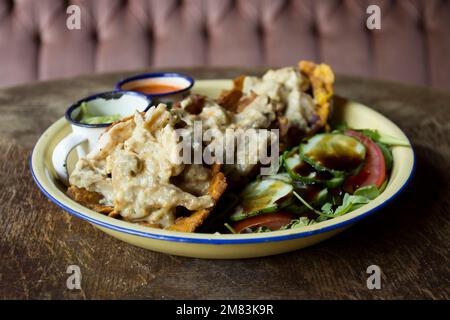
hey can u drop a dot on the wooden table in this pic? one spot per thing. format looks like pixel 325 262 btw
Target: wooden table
pixel 409 239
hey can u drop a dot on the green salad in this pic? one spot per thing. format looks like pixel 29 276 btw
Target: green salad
pixel 326 176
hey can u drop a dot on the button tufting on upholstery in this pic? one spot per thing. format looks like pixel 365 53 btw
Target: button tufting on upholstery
pixel 94 36
pixel 10 5
pixel 205 32
pixel 413 44
pixel 6 7
pixel 314 29
pixel 37 38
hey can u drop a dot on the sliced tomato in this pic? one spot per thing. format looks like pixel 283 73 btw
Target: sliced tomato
pixel 273 221
pixel 373 171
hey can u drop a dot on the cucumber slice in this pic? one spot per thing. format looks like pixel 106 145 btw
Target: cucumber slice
pixel 263 196
pixel 334 152
pixel 321 198
pixel 285 177
pixel 302 171
pixel 293 164
pixel 334 182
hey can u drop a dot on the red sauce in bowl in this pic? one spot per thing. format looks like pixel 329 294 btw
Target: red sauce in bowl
pixel 156 88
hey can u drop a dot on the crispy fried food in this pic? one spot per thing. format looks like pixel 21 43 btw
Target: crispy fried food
pixel 158 119
pixel 238 83
pixel 90 200
pixel 190 223
pixel 120 121
pixel 319 76
pixel 230 99
pixel 215 168
pixel 217 187
pixel 195 105
pixel 235 101
pixel 322 78
pixel 245 101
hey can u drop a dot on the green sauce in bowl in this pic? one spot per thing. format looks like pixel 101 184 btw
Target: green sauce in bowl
pixel 87 118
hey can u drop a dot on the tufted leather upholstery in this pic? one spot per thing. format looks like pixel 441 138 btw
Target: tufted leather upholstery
pixel 413 44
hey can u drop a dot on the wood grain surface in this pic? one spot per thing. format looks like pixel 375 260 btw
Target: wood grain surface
pixel 409 239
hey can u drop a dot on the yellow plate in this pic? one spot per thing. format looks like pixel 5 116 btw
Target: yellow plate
pixel 225 246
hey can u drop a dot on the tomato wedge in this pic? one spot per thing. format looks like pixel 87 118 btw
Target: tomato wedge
pixel 374 170
pixel 273 221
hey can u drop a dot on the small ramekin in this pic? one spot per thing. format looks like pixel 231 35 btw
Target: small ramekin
pixel 183 81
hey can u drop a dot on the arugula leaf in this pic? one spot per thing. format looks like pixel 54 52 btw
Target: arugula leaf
pixel 322 218
pixel 297 223
pixel 327 208
pixel 360 197
pixel 349 203
pixel 306 203
pixel 387 155
pixel 370 192
pixel 327 211
pixel 386 139
pixel 372 134
pixel 392 141
pixel 281 161
pixel 339 126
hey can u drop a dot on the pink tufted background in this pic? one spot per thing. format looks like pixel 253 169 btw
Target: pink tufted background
pixel 413 44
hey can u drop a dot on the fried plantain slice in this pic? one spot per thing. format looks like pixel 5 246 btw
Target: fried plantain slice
pixel 90 200
pixel 190 223
pixel 321 78
pixel 215 168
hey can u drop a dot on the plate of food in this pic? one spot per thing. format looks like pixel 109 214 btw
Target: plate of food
pixel 223 168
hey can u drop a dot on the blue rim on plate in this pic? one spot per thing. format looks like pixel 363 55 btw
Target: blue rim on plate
pixel 158 75
pixel 224 241
pixel 106 95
